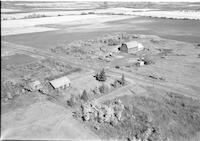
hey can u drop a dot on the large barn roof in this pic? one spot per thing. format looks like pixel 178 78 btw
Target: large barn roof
pixel 132 44
pixel 56 83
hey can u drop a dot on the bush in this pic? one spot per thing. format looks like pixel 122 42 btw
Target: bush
pixel 101 76
pixel 84 96
pixel 123 80
pixel 83 13
pixel 115 84
pixel 72 101
pixel 103 89
pixel 117 67
pixel 91 13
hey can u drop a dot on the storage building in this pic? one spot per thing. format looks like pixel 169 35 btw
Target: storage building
pixel 60 83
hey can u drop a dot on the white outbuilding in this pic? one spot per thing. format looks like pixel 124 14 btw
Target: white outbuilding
pixel 140 47
pixel 35 85
pixel 60 83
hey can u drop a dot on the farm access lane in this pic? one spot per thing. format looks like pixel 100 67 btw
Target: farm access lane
pixel 136 81
pixel 142 80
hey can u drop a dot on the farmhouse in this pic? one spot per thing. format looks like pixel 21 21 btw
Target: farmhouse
pixel 130 47
pixel 60 83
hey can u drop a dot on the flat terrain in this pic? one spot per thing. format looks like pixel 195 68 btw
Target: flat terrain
pixel 43 120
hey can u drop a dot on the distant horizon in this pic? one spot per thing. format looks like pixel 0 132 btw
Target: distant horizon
pixel 108 0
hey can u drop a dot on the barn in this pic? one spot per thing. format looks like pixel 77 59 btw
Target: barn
pixel 130 47
pixel 60 83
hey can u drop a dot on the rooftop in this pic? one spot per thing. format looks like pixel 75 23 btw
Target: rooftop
pixel 132 44
pixel 56 83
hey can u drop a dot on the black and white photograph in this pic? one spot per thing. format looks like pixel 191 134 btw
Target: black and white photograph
pixel 100 70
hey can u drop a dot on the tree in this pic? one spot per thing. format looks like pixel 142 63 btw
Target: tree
pixel 72 101
pixel 102 75
pixel 97 76
pixel 123 80
pixel 84 96
pixel 102 89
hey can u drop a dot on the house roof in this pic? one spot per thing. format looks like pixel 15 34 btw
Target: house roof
pixel 56 83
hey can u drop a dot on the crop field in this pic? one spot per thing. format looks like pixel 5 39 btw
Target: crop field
pixel 17 59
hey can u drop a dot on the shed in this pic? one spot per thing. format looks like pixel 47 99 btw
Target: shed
pixel 131 46
pixel 35 85
pixel 141 63
pixel 140 47
pixel 61 82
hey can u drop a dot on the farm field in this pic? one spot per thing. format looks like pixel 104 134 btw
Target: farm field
pixel 175 30
pixel 100 71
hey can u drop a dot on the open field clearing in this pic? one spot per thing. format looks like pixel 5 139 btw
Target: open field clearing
pixel 72 5
pixel 17 59
pixel 24 30
pixel 166 28
pixel 28 25
pixel 194 15
pixel 43 120
pixel 8 10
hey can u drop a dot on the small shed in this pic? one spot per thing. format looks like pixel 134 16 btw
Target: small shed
pixel 141 63
pixel 60 83
pixel 140 47
pixel 35 85
pixel 131 46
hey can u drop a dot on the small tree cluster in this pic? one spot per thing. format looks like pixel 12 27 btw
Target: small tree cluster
pixel 77 99
pixel 121 82
pixel 73 101
pixel 115 84
pixel 101 76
